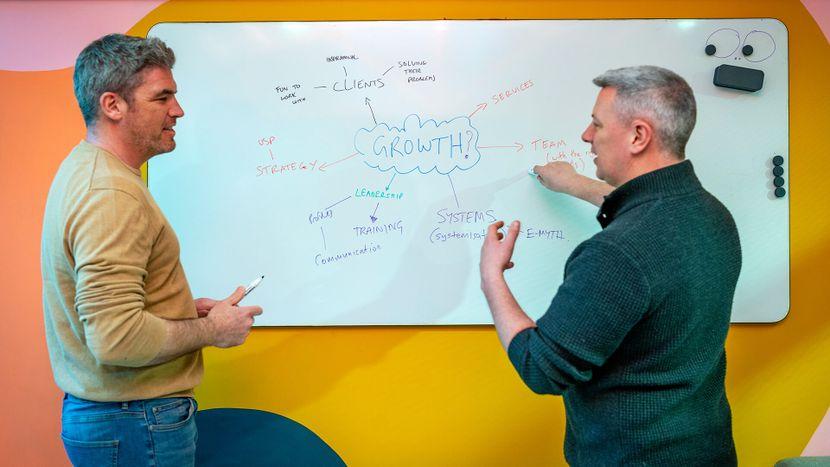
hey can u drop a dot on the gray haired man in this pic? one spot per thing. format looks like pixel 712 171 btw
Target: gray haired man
pixel 123 330
pixel 634 337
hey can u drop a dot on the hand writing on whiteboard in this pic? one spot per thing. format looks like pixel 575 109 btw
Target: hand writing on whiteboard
pixel 558 176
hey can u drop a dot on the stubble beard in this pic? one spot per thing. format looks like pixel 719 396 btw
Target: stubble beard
pixel 150 145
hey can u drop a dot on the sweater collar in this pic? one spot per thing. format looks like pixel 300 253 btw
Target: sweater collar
pixel 92 148
pixel 676 179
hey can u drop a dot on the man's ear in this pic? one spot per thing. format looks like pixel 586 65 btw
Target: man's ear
pixel 642 136
pixel 112 106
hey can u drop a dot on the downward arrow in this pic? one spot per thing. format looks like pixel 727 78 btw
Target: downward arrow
pixel 373 214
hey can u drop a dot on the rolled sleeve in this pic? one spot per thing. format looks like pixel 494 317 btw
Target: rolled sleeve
pixel 110 239
pixel 603 295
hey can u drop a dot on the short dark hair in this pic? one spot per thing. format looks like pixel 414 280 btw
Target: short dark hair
pixel 113 63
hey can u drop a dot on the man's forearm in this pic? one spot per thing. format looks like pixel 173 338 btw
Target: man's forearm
pixel 508 316
pixel 592 191
pixel 184 336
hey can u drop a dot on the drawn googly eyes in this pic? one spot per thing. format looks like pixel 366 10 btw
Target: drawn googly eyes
pixel 758 46
pixel 722 43
pixel 755 47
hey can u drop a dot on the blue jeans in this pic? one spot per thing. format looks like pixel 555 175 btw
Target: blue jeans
pixel 153 432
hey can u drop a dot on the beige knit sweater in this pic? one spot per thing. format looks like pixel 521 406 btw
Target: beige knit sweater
pixel 111 275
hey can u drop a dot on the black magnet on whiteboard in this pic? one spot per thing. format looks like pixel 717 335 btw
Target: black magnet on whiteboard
pixel 736 77
pixel 747 50
pixel 710 49
pixel 778 176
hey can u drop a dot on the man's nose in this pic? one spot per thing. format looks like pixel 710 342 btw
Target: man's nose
pixel 586 135
pixel 176 110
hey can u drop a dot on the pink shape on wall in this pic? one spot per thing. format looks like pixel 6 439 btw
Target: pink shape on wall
pixel 819 444
pixel 49 34
pixel 820 10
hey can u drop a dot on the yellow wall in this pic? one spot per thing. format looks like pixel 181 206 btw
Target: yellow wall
pixel 421 395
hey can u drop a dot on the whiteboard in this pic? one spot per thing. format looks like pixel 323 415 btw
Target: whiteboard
pixel 357 164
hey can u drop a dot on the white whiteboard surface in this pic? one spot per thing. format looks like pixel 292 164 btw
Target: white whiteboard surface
pixel 287 157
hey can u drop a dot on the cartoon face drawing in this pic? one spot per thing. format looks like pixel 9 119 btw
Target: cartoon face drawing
pixel 755 46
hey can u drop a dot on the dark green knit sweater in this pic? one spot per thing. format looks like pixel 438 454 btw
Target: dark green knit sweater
pixel 634 338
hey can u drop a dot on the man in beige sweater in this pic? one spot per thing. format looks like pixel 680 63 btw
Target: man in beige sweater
pixel 123 330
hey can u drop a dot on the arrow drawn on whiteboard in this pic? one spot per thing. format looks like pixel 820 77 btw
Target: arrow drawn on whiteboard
pixel 519 146
pixel 324 238
pixel 390 181
pixel 453 191
pixel 373 214
pixel 481 106
pixel 335 204
pixel 326 165
pixel 387 71
pixel 369 103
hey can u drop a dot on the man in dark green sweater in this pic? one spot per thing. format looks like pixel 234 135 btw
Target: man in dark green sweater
pixel 634 338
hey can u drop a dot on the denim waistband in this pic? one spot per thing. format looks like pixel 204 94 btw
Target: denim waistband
pixel 137 405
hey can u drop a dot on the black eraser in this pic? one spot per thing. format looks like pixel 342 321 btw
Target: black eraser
pixel 736 77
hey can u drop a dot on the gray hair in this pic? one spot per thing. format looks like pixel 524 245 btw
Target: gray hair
pixel 113 63
pixel 658 94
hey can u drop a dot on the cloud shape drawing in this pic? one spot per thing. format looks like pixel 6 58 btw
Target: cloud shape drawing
pixel 420 145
